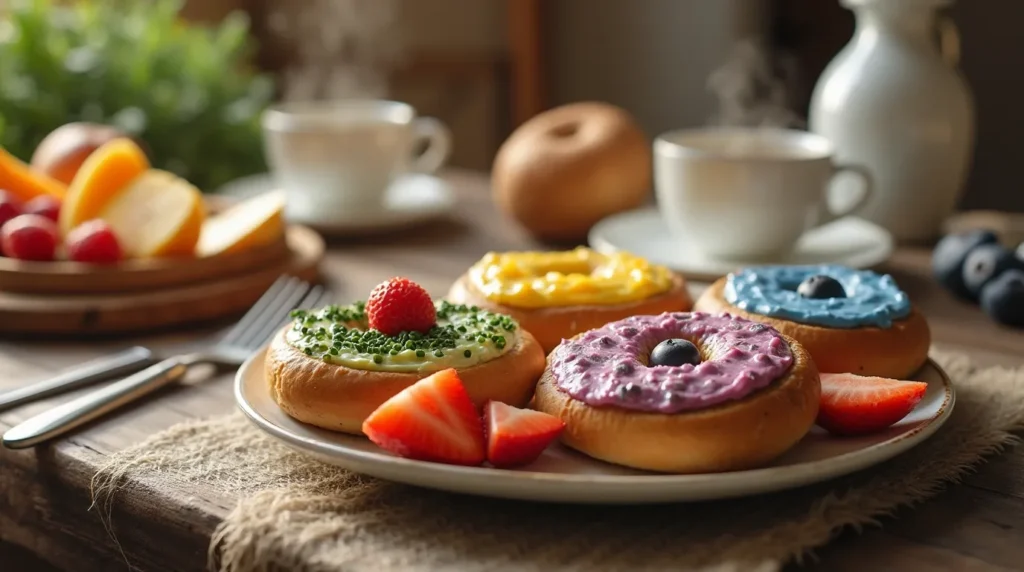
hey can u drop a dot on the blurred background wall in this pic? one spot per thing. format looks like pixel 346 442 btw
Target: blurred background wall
pixel 464 61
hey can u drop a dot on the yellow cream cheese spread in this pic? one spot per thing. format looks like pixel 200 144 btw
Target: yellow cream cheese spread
pixel 531 279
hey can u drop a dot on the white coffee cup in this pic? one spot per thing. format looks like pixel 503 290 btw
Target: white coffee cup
pixel 336 159
pixel 748 193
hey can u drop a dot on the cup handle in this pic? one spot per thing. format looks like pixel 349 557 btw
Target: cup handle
pixel 439 144
pixel 867 189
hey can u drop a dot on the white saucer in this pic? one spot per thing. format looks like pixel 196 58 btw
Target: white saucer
pixel 848 241
pixel 412 199
pixel 563 475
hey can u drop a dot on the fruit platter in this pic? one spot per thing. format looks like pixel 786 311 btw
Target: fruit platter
pixel 88 222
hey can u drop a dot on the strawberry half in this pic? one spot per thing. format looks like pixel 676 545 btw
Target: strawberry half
pixel 516 436
pixel 432 420
pixel 857 405
pixel 400 305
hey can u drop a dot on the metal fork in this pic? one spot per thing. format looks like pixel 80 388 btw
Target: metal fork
pixel 268 315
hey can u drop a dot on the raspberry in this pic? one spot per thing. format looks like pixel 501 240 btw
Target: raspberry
pixel 400 305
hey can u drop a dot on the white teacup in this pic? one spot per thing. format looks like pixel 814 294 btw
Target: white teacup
pixel 748 193
pixel 336 159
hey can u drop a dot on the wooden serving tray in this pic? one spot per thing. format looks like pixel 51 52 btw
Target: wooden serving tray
pixel 149 309
pixel 63 277
pixel 142 275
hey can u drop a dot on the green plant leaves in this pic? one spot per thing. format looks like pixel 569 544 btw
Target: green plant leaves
pixel 187 90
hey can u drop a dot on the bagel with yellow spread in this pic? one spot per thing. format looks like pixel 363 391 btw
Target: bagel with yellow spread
pixel 332 367
pixel 557 295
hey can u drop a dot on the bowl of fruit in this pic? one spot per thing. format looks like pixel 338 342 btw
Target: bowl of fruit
pixel 976 267
pixel 93 240
pixel 90 215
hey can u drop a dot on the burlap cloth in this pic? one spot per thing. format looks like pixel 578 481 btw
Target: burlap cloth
pixel 294 513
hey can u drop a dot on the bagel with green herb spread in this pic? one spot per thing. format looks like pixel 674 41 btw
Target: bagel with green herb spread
pixel 332 367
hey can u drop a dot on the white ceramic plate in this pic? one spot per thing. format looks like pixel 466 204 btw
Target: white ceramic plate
pixel 563 475
pixel 412 199
pixel 848 241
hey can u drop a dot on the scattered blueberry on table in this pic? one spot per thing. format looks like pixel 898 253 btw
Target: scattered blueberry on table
pixel 974 266
pixel 985 263
pixel 949 256
pixel 1003 298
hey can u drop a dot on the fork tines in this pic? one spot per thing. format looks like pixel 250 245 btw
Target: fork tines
pixel 272 311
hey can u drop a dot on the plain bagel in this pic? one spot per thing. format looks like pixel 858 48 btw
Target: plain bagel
pixel 339 398
pixel 553 324
pixel 896 352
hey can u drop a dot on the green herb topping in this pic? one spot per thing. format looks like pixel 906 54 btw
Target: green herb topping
pixel 341 334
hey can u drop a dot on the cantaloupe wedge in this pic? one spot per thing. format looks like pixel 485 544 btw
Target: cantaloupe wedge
pixel 106 172
pixel 157 215
pixel 249 224
pixel 24 182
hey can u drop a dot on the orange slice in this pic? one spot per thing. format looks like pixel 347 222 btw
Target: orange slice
pixel 252 223
pixel 106 172
pixel 158 215
pixel 24 182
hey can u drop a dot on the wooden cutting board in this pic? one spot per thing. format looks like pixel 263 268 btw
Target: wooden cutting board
pixel 140 311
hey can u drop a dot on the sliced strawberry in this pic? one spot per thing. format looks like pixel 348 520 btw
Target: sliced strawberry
pixel 432 420
pixel 517 436
pixel 856 405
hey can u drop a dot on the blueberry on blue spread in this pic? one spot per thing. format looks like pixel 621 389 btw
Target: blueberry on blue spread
pixel 821 287
pixel 675 352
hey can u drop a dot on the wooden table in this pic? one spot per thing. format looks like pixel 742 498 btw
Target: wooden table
pixel 44 493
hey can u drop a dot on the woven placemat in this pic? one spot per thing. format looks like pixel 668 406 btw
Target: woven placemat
pixel 296 514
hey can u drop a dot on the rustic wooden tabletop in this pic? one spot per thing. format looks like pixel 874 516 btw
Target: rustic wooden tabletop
pixel 44 493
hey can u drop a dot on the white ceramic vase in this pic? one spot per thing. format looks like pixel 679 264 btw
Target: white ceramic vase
pixel 894 101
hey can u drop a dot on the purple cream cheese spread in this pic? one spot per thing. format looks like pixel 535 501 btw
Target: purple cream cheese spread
pixel 608 366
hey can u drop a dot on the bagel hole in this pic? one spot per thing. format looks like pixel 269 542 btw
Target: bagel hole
pixel 565 130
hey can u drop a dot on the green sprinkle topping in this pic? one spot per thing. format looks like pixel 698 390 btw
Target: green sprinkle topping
pixel 344 331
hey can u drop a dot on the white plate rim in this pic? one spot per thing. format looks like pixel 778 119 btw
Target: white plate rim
pixel 566 488
pixel 712 268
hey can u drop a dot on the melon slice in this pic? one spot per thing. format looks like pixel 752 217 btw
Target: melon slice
pixel 106 172
pixel 24 182
pixel 157 215
pixel 252 223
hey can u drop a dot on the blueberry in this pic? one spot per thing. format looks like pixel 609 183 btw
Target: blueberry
pixel 1003 298
pixel 949 254
pixel 675 352
pixel 986 262
pixel 821 287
